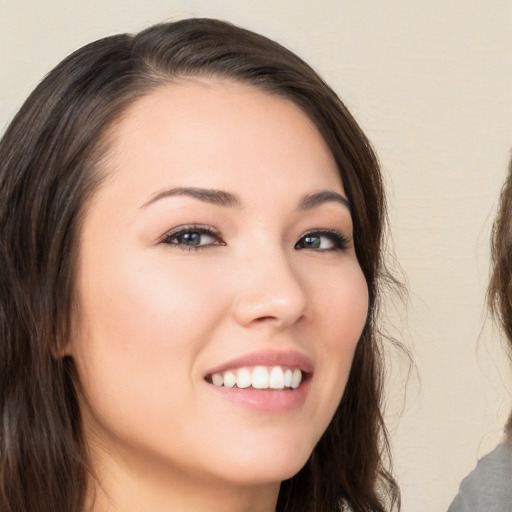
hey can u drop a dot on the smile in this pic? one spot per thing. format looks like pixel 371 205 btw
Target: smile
pixel 266 381
pixel 259 377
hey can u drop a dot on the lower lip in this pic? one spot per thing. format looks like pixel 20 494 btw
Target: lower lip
pixel 266 401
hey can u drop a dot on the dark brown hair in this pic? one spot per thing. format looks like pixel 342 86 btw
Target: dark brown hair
pixel 499 292
pixel 50 163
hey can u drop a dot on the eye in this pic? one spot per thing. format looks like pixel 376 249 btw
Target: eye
pixel 193 237
pixel 322 240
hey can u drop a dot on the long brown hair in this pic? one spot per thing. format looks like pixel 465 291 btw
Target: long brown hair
pixel 50 164
pixel 499 292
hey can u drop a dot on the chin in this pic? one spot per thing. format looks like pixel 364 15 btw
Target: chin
pixel 264 466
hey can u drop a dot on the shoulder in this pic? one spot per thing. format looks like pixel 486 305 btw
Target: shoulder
pixel 488 488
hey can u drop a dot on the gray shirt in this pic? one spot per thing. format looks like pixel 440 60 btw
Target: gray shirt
pixel 488 488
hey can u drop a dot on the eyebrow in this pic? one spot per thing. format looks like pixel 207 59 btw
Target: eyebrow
pixel 326 196
pixel 222 198
pixel 217 197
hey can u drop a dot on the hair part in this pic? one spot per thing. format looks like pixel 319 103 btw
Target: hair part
pixel 51 163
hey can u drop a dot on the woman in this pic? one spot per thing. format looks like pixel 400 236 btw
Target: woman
pixel 487 488
pixel 192 231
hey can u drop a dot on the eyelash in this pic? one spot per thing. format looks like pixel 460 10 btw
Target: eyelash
pixel 338 241
pixel 192 229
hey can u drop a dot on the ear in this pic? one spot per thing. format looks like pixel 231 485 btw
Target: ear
pixel 61 350
pixel 64 345
pixel 65 351
pixel 66 338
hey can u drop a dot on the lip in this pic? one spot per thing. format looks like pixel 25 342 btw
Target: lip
pixel 266 401
pixel 287 358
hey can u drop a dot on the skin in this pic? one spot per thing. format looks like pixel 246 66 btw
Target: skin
pixel 155 315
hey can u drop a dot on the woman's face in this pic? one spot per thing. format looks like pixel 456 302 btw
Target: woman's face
pixel 218 249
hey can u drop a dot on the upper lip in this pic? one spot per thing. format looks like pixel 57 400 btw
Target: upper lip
pixel 289 358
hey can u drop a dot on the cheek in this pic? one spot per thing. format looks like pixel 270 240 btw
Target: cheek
pixel 147 303
pixel 140 332
pixel 342 309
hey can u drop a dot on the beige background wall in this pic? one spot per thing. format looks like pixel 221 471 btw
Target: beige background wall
pixel 431 83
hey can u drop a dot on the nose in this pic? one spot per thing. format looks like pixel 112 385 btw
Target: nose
pixel 269 290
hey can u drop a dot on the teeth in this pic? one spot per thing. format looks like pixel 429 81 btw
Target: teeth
pixel 287 378
pixel 243 379
pixel 277 378
pixel 218 379
pixel 229 379
pixel 259 378
pixel 296 378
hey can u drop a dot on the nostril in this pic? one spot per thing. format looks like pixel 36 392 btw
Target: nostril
pixel 265 319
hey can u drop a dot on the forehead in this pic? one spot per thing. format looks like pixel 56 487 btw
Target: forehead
pixel 215 130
